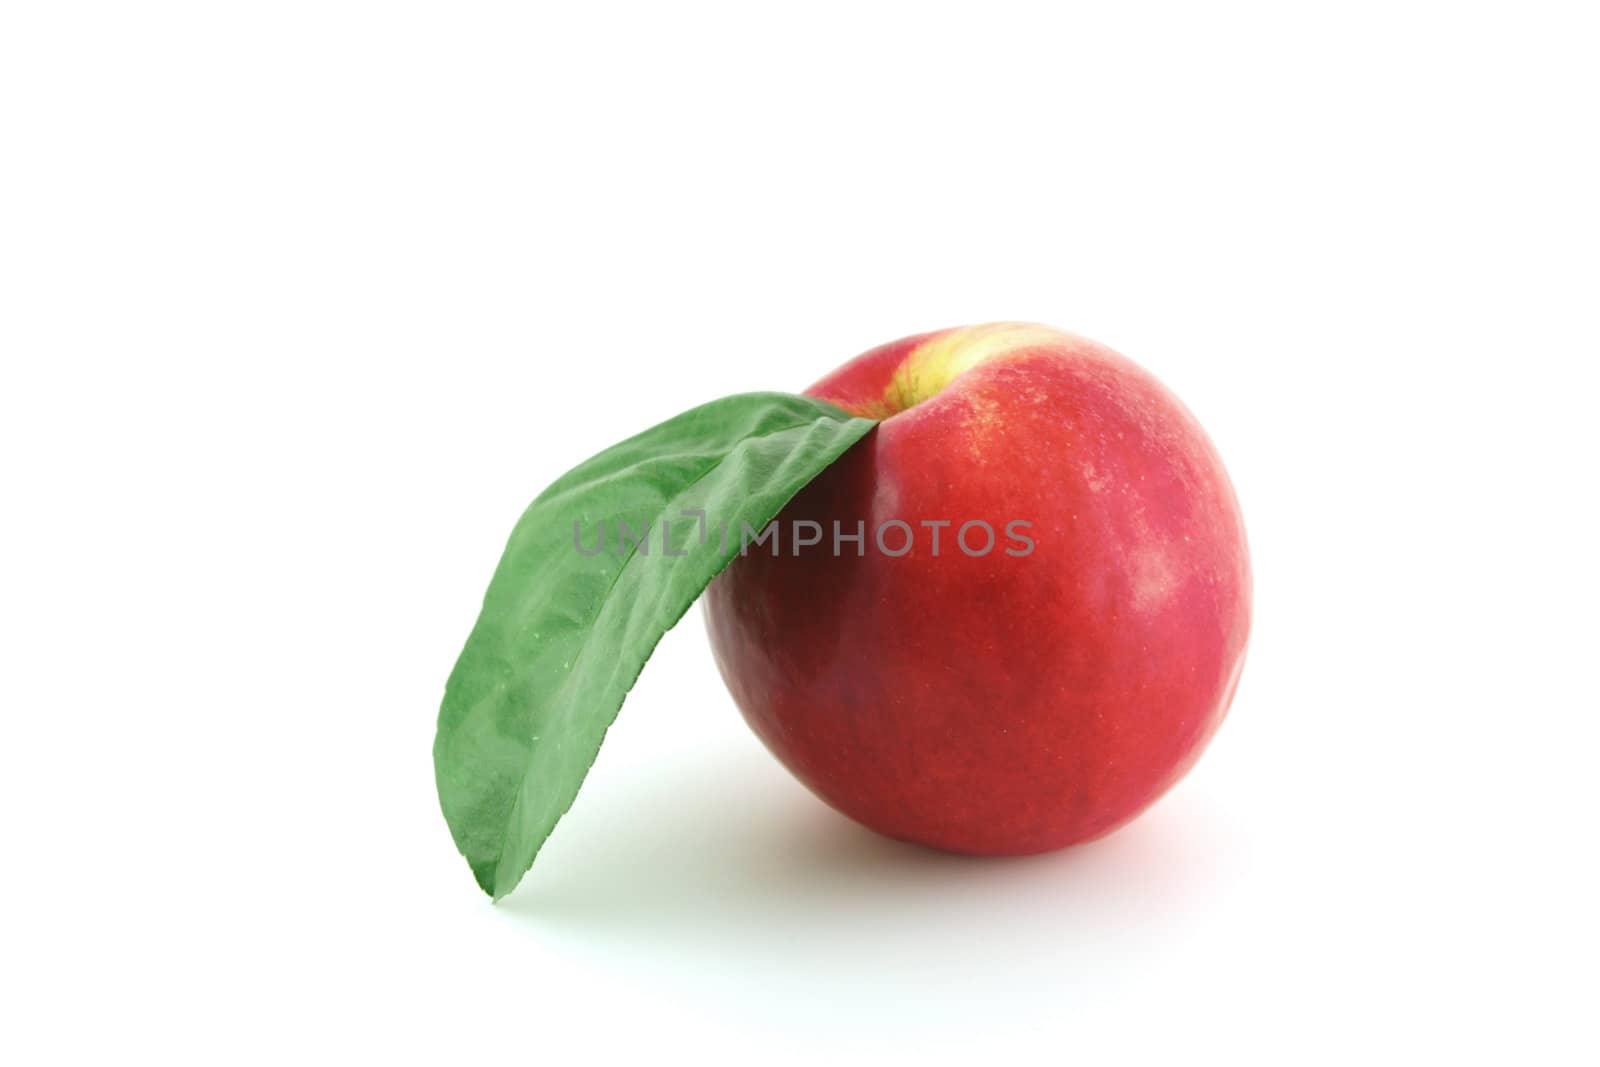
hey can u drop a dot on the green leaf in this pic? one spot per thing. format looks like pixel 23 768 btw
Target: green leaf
pixel 563 635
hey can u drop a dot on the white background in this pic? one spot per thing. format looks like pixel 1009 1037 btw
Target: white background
pixel 301 303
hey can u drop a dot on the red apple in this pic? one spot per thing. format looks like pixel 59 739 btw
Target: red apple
pixel 1011 701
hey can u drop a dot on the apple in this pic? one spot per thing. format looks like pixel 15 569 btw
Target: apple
pixel 1020 699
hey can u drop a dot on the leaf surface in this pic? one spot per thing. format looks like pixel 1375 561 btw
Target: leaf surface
pixel 567 624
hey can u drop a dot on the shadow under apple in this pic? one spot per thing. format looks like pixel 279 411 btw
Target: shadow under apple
pixel 720 869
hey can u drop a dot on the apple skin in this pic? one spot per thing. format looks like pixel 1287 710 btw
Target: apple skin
pixel 998 705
